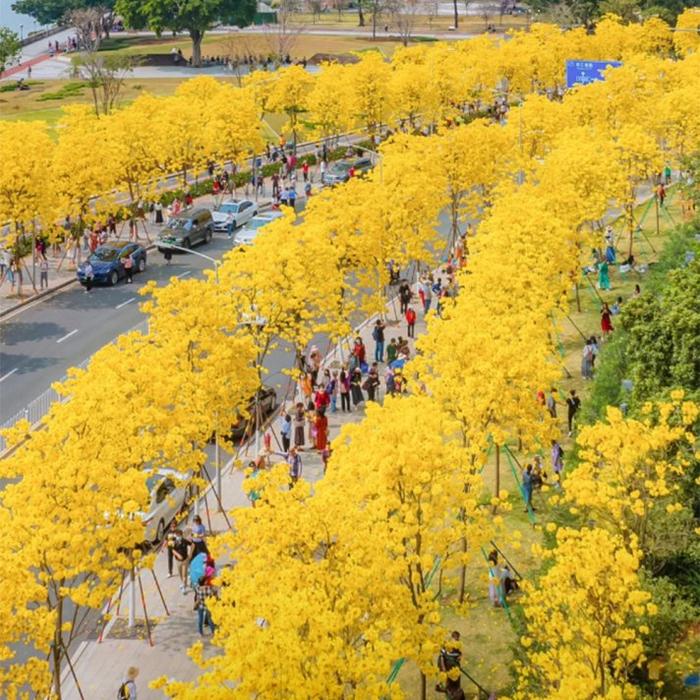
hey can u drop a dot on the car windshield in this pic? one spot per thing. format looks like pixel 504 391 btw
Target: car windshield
pixel 340 167
pixel 180 223
pixel 152 481
pixel 256 223
pixel 104 255
pixel 229 208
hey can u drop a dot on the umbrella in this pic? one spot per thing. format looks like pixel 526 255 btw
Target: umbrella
pixel 398 363
pixel 197 568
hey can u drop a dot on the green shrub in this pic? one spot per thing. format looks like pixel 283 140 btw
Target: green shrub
pixel 67 90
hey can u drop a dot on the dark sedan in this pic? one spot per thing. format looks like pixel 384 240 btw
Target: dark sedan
pixel 108 262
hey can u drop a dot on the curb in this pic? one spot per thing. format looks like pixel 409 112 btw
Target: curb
pixel 36 297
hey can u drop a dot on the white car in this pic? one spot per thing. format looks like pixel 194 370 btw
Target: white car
pixel 238 211
pixel 247 234
pixel 170 492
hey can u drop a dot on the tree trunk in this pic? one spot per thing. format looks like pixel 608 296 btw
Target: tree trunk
pixel 498 473
pixel 196 35
pixel 56 650
pixel 374 23
pixel 456 13
pixel 360 16
pixel 423 687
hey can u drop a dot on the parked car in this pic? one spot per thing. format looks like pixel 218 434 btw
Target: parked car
pixel 340 170
pixel 247 234
pixel 239 211
pixel 267 403
pixel 108 262
pixel 187 228
pixel 170 492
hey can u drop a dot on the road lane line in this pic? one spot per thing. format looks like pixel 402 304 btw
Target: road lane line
pixel 10 373
pixel 124 303
pixel 68 335
pixel 184 274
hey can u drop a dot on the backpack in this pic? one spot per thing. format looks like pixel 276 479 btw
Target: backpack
pixel 124 692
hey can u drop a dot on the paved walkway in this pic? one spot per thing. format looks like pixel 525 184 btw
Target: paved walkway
pixel 101 666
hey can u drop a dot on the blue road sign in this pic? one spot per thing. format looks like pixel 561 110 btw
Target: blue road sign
pixel 584 72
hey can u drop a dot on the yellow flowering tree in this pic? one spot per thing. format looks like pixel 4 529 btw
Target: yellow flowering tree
pixel 582 639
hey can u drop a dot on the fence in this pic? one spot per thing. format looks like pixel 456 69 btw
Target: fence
pixel 35 410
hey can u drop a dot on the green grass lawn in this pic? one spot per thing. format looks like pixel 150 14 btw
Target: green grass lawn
pixel 240 44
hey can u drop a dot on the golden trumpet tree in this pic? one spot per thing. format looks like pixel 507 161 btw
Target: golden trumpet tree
pixel 582 639
pixel 289 94
pixel 25 179
pixel 371 545
pixel 685 39
pixel 371 91
pixel 290 299
pixel 84 165
pixel 330 101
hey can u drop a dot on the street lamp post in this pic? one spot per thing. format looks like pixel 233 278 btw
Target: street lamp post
pixel 21 32
pixel 217 451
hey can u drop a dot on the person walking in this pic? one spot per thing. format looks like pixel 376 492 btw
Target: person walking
pixel 378 337
pixel 359 353
pixel 127 690
pixel 321 425
pixel 587 360
pixel 410 322
pixel 299 425
pixel 356 387
pixel 603 276
pixel 332 391
pixel 44 274
pixel 405 295
pixel 557 456
pixel 391 351
pixel 344 389
pixel 295 466
pixel 573 403
pixel 372 383
pixel 286 430
pixel 89 276
pixel 552 402
pixel 527 487
pixel 180 551
pixel 129 268
pixel 198 532
pixel 606 325
pixel 203 592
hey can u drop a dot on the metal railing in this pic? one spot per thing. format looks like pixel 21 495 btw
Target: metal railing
pixel 35 410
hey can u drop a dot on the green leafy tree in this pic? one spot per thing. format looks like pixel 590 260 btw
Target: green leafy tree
pixel 664 335
pixel 9 47
pixel 194 17
pixel 53 11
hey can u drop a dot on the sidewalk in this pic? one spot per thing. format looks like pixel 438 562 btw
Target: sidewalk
pixel 100 667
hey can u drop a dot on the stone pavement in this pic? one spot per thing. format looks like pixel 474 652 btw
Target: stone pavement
pixel 100 667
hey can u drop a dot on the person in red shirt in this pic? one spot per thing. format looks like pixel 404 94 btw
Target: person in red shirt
pixel 351 172
pixel 305 171
pixel 359 352
pixel 411 321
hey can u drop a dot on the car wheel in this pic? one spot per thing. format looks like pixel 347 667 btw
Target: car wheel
pixel 186 243
pixel 160 531
pixel 208 235
pixel 113 277
pixel 142 264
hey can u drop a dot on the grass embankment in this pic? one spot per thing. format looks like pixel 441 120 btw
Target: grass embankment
pixel 233 44
pixel 487 634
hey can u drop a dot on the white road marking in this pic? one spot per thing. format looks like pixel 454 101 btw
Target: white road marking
pixel 11 372
pixel 124 303
pixel 184 274
pixel 68 335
